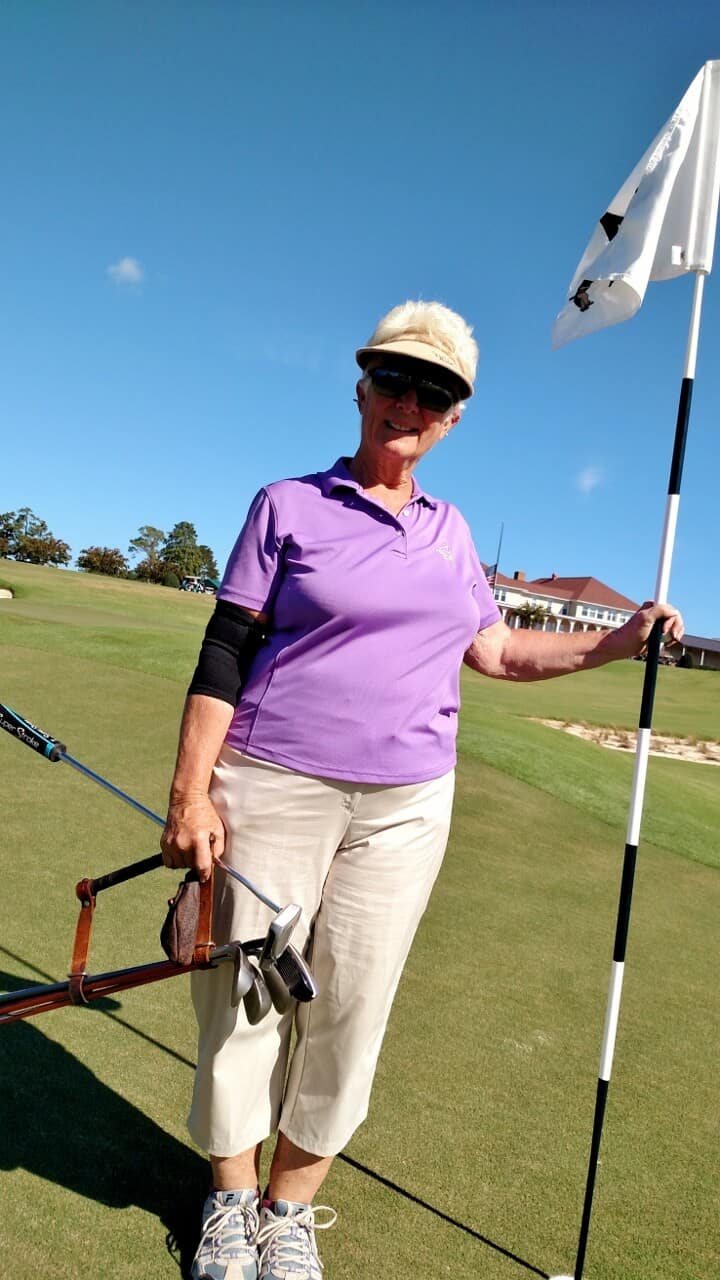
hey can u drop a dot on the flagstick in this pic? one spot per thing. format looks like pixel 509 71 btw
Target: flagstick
pixel 497 557
pixel 641 762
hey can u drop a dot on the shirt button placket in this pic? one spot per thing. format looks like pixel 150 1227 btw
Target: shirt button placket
pixel 401 547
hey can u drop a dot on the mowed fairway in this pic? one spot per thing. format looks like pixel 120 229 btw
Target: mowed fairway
pixel 485 1092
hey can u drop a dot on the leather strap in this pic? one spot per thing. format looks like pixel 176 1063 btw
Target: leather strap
pixel 83 987
pixel 203 939
pixel 81 946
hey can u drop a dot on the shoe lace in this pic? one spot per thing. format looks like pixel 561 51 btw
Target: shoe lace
pixel 284 1241
pixel 231 1217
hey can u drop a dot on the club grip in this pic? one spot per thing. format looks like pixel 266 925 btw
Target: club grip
pixel 24 731
pixel 124 873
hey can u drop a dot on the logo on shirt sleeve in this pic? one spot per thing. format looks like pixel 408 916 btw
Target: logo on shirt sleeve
pixel 445 551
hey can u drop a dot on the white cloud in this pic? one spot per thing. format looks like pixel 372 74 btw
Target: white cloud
pixel 589 478
pixel 126 271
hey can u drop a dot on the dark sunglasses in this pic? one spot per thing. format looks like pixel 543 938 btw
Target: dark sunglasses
pixel 395 384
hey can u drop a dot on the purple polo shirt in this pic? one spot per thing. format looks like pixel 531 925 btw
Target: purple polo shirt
pixel 371 615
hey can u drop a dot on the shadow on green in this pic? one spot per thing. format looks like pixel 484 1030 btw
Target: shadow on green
pixel 62 1124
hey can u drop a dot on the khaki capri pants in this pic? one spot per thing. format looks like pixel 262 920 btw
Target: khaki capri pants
pixel 361 860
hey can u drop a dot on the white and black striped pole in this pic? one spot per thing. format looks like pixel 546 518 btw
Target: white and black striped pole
pixel 697 257
pixel 642 752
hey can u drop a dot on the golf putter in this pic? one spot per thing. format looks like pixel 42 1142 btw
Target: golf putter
pixel 277 939
pixel 279 934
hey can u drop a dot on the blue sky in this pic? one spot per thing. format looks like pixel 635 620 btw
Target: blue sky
pixel 207 206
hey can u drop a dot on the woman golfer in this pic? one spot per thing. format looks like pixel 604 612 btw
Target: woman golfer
pixel 320 764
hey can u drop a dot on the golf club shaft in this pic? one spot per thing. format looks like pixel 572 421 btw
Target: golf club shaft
pixel 52 749
pixel 230 871
pixel 155 817
pixel 103 782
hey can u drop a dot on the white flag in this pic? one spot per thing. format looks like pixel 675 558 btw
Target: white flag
pixel 660 224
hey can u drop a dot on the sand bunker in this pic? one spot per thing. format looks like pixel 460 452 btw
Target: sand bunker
pixel 625 739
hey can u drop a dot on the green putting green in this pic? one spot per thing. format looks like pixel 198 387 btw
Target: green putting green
pixel 485 1092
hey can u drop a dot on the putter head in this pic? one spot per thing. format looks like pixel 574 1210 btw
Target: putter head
pixel 279 934
pixel 257 1000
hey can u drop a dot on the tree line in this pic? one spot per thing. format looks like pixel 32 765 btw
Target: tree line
pixel 160 557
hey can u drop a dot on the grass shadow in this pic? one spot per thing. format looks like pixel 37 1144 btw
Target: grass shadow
pixel 445 1217
pixel 59 1122
pixel 89 1124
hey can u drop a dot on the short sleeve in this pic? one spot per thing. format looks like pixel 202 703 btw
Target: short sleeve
pixel 489 612
pixel 253 571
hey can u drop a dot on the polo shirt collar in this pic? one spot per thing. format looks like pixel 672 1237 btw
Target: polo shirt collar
pixel 339 477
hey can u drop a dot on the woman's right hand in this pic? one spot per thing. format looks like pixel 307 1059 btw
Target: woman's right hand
pixel 193 834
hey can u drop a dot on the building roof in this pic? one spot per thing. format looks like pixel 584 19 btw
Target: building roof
pixel 589 590
pixel 696 642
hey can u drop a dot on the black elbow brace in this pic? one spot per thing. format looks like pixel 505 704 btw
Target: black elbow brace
pixel 232 638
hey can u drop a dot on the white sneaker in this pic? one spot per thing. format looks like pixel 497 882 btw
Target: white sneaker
pixel 228 1245
pixel 286 1241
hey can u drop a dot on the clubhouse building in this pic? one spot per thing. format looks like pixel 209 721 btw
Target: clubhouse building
pixel 569 604
pixel 703 651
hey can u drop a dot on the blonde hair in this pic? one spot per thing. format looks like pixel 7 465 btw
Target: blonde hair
pixel 435 324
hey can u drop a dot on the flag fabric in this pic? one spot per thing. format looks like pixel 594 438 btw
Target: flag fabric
pixel 660 224
pixel 491 573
